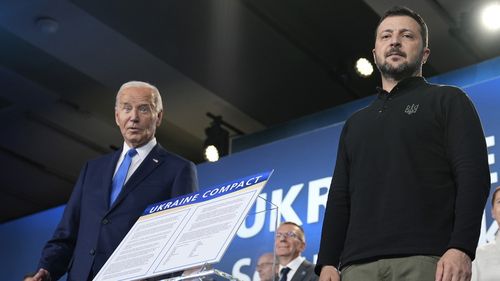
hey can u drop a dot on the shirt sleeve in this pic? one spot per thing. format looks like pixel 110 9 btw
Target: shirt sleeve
pixel 467 153
pixel 58 251
pixel 337 211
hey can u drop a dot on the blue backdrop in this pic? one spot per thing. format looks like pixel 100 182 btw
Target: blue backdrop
pixel 303 166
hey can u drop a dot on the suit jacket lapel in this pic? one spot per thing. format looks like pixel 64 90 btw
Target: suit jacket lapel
pixel 154 159
pixel 107 178
pixel 301 271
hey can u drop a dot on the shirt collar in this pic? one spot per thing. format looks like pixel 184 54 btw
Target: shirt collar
pixel 142 151
pixel 402 86
pixel 294 264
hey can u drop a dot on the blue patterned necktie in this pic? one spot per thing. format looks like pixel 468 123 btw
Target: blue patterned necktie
pixel 121 175
pixel 284 271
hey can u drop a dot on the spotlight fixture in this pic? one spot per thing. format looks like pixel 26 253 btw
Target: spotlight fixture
pixel 364 67
pixel 212 153
pixel 217 142
pixel 491 17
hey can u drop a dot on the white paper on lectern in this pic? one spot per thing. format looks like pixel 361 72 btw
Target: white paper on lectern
pixel 184 232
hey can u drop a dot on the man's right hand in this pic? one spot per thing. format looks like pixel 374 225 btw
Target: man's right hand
pixel 329 273
pixel 41 275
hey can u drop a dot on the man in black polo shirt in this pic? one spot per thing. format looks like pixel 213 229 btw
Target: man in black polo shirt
pixel 411 177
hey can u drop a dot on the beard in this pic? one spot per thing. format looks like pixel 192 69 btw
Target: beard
pixel 403 70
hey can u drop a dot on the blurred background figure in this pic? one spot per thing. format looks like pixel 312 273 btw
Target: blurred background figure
pixel 28 276
pixel 486 266
pixel 267 267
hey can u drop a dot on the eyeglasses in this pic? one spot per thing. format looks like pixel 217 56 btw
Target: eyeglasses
pixel 264 264
pixel 289 234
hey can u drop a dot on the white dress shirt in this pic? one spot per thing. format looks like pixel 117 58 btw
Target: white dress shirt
pixel 486 266
pixel 293 265
pixel 142 153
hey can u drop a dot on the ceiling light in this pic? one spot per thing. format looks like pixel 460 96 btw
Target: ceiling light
pixel 211 153
pixel 364 67
pixel 217 142
pixel 491 16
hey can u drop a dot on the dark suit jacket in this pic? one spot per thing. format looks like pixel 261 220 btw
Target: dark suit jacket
pixel 90 229
pixel 305 272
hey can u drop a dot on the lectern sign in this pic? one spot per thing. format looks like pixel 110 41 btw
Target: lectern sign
pixel 184 232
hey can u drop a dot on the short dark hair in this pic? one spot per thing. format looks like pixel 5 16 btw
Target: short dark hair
pixel 493 196
pixel 404 11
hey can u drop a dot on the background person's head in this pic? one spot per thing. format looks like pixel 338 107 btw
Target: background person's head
pixel 290 242
pixel 267 266
pixel 495 205
pixel 401 44
pixel 28 276
pixel 138 112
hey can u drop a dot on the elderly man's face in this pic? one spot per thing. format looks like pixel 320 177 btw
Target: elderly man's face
pixel 136 115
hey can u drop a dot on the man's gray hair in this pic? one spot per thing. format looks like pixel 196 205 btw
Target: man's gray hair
pixel 158 104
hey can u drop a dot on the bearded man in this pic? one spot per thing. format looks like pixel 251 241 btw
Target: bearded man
pixel 411 177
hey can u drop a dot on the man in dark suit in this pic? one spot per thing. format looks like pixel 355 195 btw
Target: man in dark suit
pixel 290 243
pixel 267 267
pixel 113 190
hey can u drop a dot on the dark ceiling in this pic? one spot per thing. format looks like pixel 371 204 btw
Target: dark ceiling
pixel 256 63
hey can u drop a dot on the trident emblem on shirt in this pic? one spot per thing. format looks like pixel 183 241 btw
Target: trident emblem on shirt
pixel 411 109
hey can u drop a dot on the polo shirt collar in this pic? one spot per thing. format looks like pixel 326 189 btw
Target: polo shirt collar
pixel 402 86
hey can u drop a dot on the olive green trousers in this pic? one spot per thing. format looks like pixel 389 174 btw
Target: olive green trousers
pixel 412 268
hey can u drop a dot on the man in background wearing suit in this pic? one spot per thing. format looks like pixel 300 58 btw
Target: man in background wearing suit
pixel 290 243
pixel 267 267
pixel 112 191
